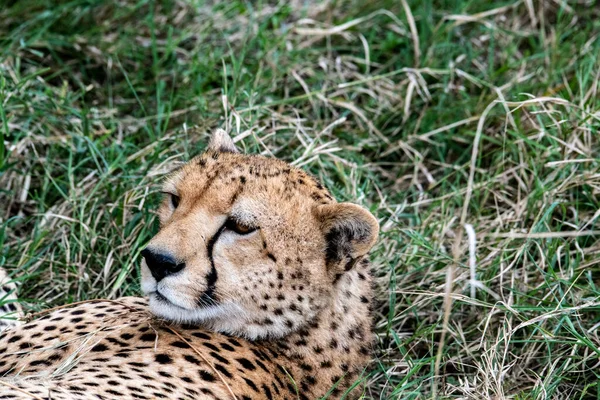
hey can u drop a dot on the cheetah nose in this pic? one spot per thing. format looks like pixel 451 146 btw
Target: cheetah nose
pixel 161 264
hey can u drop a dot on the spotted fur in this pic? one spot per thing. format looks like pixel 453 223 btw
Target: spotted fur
pixel 277 309
pixel 10 309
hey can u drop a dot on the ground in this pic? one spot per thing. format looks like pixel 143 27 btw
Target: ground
pixel 470 129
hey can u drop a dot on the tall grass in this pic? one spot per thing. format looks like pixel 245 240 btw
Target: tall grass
pixel 470 129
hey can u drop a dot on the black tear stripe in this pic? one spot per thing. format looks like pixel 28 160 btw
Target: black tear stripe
pixel 211 278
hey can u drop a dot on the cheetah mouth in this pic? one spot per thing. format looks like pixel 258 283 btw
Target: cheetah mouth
pixel 162 299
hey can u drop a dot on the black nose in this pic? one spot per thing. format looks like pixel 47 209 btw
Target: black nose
pixel 161 264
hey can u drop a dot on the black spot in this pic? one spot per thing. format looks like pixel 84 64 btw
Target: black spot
pixel 306 367
pixel 191 359
pixel 251 384
pixel 180 344
pixel 272 257
pixel 211 346
pixel 267 392
pixel 223 370
pixel 29 326
pixel 274 386
pixel 148 337
pixel 291 388
pixel 218 357
pixel 350 264
pixel 163 359
pixel 40 362
pixel 77 312
pixel 246 363
pixel 227 347
pixel 206 376
pixel 201 335
pixel 262 366
pixel 14 338
pixel 100 347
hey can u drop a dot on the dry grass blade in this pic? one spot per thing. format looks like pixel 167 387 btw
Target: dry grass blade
pixel 413 31
pixel 18 389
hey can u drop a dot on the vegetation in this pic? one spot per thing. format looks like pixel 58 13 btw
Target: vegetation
pixel 469 128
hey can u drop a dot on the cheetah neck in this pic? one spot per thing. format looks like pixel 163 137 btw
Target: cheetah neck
pixel 336 347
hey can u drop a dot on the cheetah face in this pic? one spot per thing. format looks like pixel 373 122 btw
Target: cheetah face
pixel 248 245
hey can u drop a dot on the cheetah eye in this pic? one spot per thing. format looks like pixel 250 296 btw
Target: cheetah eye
pixel 174 199
pixel 238 227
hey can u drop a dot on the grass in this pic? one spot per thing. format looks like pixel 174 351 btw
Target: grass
pixel 437 115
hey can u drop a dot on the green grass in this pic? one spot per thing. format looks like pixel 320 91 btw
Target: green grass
pixel 492 122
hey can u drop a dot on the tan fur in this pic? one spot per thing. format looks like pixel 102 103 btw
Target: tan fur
pixel 281 312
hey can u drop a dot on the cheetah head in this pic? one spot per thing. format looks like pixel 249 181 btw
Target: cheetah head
pixel 249 245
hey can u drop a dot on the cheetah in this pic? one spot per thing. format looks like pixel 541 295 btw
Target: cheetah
pixel 257 286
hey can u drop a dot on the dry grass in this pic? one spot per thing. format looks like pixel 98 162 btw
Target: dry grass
pixel 469 129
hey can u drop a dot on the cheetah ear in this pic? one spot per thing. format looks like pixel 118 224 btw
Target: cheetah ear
pixel 350 231
pixel 221 142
